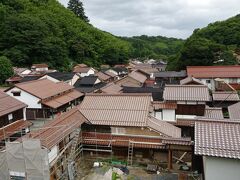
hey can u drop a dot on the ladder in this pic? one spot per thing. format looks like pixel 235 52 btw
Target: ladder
pixel 130 153
pixel 72 154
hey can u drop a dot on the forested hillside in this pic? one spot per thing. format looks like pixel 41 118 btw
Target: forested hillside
pixel 215 44
pixel 34 31
pixel 156 47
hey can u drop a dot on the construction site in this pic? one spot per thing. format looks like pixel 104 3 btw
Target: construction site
pixel 104 140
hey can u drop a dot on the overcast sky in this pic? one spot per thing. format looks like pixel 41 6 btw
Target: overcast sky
pixel 171 18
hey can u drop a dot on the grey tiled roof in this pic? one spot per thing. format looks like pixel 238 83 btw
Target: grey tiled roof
pixel 219 139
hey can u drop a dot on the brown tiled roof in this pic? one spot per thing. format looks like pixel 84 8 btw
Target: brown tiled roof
pixel 190 79
pixel 138 76
pixel 54 131
pixel 225 96
pixel 102 76
pixel 234 111
pixel 39 65
pixel 44 88
pixel 13 128
pixel 116 109
pixel 214 71
pixel 186 93
pixel 9 104
pixel 164 127
pixel 111 88
pixel 81 69
pixel 213 113
pixel 164 105
pixel 63 99
pixel 219 139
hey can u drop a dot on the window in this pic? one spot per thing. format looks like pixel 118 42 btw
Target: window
pixel 16 93
pixel 10 117
pixel 208 81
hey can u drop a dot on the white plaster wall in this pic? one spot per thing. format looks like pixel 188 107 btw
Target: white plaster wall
pixel 27 71
pixel 221 168
pixel 74 80
pixel 27 98
pixel 158 115
pixel 169 114
pixel 50 78
pixel 52 154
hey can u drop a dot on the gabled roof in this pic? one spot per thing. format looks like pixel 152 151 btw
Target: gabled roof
pixel 234 111
pixel 219 139
pixel 108 72
pixel 86 80
pixel 78 69
pixel 157 93
pixel 116 109
pixel 164 127
pixel 225 96
pixel 54 131
pixel 186 93
pixel 138 76
pixel 9 104
pixel 30 78
pixel 111 88
pixel 213 113
pixel 44 88
pixel 189 80
pixel 214 71
pixel 170 74
pixel 103 76
pixel 61 76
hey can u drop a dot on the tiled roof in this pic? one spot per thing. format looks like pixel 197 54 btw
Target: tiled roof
pixel 190 79
pixel 225 96
pixel 214 71
pixel 138 76
pixel 213 113
pixel 164 127
pixel 103 76
pixel 78 69
pixel 54 131
pixel 116 109
pixel 87 80
pixel 61 76
pixel 186 93
pixel 39 65
pixel 111 88
pixel 164 105
pixel 44 88
pixel 234 111
pixel 219 139
pixel 9 104
pixel 30 78
pixel 109 73
pixel 13 128
pixel 63 99
pixel 169 74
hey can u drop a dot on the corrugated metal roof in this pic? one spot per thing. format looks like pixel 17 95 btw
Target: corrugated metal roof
pixel 44 88
pixel 164 127
pixel 225 96
pixel 186 93
pixel 116 109
pixel 9 104
pixel 220 139
pixel 214 71
pixel 213 113
pixel 234 111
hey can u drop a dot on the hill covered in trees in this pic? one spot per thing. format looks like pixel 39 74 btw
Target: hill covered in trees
pixel 215 44
pixel 156 47
pixel 33 31
pixel 43 31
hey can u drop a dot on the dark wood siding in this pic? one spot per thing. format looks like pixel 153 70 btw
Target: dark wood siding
pixel 16 116
pixel 184 109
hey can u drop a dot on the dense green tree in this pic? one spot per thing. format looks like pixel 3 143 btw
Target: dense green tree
pixel 77 8
pixel 6 69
